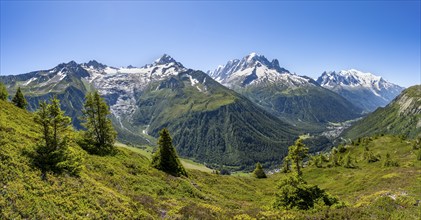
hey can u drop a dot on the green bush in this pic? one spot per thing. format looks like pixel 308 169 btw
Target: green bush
pixel 341 148
pixel 259 172
pixel 388 162
pixel 295 193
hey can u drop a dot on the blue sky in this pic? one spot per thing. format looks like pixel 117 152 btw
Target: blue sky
pixel 306 37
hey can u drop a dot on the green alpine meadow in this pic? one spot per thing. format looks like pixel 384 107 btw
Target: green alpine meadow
pixel 203 110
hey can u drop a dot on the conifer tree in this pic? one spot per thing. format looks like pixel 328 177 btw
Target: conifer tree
pixel 369 156
pixel 19 100
pixel 317 161
pixel 297 153
pixel 3 92
pixel 99 137
pixel 52 152
pixel 58 121
pixel 165 158
pixel 334 157
pixel 259 172
pixel 348 162
pixel 286 165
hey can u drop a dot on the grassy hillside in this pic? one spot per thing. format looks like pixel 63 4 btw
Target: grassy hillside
pixel 125 187
pixel 114 187
pixel 401 117
pixel 370 186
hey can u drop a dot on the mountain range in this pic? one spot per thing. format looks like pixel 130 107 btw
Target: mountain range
pixel 209 122
pixel 297 99
pixel 365 90
pixel 248 110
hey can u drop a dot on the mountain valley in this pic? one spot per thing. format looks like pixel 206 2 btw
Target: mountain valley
pixel 235 111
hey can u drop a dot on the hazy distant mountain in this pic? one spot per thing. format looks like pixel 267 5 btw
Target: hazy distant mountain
pixel 400 117
pixel 295 98
pixel 365 90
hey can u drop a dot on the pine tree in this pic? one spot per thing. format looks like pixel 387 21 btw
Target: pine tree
pixel 19 100
pixel 3 92
pixel 259 172
pixel 58 121
pixel 52 153
pixel 297 153
pixel 317 161
pixel 286 165
pixel 348 162
pixel 334 158
pixel 165 158
pixel 99 137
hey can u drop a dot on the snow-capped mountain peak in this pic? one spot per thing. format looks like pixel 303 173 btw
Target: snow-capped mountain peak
pixel 363 86
pixel 352 78
pixel 93 64
pixel 166 60
pixel 123 83
pixel 255 69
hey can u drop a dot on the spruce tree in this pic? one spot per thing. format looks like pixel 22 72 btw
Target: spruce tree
pixel 317 161
pixel 19 100
pixel 348 162
pixel 334 158
pixel 297 153
pixel 99 137
pixel 165 158
pixel 286 165
pixel 259 172
pixel 52 154
pixel 3 92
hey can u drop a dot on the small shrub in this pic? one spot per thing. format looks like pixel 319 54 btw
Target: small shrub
pixel 369 156
pixel 295 193
pixel 389 162
pixel 259 172
pixel 341 149
pixel 224 172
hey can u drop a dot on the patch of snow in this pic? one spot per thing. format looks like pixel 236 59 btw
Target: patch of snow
pixel 193 81
pixel 29 81
pixel 146 130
